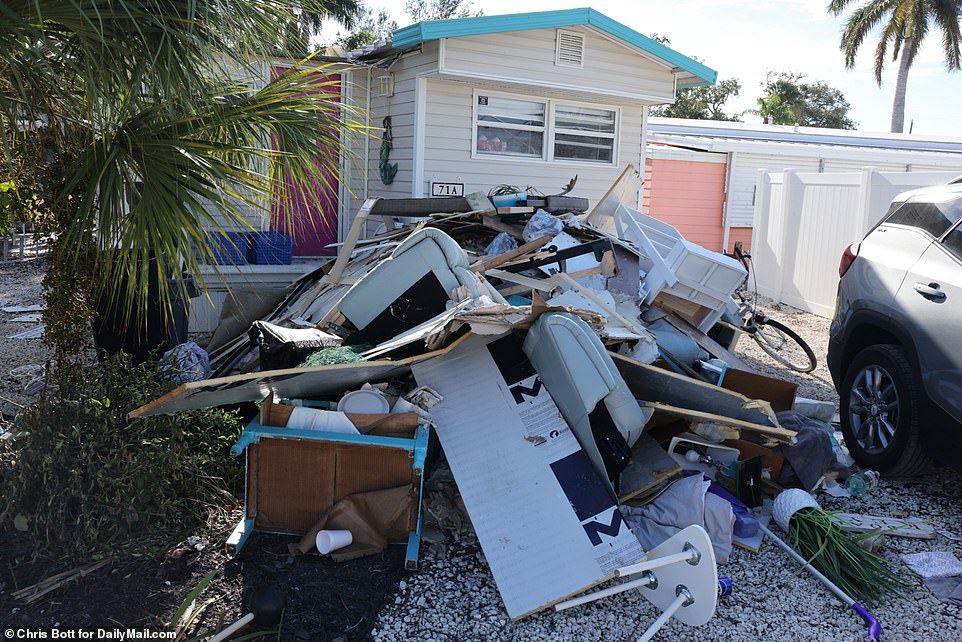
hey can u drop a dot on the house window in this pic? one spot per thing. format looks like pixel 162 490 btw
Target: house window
pixel 584 133
pixel 545 130
pixel 511 127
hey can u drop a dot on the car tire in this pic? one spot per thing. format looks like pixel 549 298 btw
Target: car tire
pixel 882 407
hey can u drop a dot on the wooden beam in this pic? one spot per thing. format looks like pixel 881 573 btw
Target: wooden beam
pixel 778 434
pixel 495 261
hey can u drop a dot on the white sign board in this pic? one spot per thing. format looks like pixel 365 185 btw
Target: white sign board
pixel 447 189
pixel 546 522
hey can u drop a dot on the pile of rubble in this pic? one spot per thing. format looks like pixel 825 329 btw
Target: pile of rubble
pixel 562 357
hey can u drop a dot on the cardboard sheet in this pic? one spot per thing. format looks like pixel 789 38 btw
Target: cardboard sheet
pixel 548 527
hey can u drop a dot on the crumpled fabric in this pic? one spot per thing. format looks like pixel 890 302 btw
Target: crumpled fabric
pixel 542 224
pixel 810 457
pixel 686 502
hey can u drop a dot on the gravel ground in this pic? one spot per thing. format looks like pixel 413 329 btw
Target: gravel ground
pixel 454 596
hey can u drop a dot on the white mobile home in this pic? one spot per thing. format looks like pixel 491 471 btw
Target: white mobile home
pixel 526 99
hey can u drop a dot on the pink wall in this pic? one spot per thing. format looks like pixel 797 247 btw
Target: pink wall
pixel 689 195
pixel 743 234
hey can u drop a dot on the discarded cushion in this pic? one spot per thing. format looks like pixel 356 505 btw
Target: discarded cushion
pixel 410 287
pixel 579 373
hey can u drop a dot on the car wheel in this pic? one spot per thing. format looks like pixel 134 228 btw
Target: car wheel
pixel 882 405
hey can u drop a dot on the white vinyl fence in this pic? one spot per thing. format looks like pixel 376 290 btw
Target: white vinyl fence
pixel 804 221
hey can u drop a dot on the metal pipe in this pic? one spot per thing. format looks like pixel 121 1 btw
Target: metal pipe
pixel 667 613
pixel 646 581
pixel 684 556
pixel 874 626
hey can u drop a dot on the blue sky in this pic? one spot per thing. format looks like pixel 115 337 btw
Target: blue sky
pixel 743 38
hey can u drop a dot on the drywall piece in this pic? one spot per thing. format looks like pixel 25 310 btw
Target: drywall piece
pixel 548 526
pixel 17 309
pixel 855 523
pixel 32 333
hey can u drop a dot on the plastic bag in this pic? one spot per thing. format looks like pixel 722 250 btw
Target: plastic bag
pixel 186 362
pixel 542 224
pixel 500 244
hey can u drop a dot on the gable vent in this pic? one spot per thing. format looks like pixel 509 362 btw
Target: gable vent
pixel 571 49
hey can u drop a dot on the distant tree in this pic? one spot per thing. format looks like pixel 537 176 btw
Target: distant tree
pixel 306 21
pixel 420 10
pixel 371 27
pixel 905 23
pixel 788 100
pixel 702 103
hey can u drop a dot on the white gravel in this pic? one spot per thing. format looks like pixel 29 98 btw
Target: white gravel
pixel 453 596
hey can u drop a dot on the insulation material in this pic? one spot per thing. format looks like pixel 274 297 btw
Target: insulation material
pixel 532 494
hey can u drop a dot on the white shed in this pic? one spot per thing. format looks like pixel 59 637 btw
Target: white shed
pixel 525 99
pixel 775 148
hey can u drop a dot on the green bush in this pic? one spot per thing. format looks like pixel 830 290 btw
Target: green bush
pixel 84 478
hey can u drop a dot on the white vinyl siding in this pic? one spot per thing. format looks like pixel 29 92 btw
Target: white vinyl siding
pixel 528 57
pixel 448 150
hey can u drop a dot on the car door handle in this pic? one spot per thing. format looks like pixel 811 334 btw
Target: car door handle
pixel 930 291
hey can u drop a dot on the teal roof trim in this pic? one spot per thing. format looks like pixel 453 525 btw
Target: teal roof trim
pixel 437 29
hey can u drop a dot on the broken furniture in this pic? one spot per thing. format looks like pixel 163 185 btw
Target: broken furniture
pixel 579 375
pixel 696 282
pixel 679 577
pixel 410 287
pixel 294 475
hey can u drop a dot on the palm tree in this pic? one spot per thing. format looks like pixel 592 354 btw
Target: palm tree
pixel 154 132
pixel 905 23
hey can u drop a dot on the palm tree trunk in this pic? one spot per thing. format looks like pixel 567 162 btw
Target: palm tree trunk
pixel 898 105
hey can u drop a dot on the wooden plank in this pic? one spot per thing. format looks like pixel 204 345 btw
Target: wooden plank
pixel 778 434
pixel 707 343
pixel 495 261
pixel 495 224
pixel 634 326
pixel 357 226
pixel 651 383
pixel 515 210
pixel 292 383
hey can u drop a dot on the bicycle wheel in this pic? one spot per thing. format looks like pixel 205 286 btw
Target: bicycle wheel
pixel 783 345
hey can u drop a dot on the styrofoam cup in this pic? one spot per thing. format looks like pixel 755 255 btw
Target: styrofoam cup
pixel 329 541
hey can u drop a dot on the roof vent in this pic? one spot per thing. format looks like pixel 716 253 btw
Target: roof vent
pixel 385 86
pixel 570 51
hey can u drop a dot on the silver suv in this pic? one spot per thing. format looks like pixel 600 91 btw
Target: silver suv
pixel 895 347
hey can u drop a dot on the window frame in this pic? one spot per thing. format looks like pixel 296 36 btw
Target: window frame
pixel 548 145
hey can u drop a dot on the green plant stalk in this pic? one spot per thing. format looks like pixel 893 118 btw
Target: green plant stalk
pixel 864 575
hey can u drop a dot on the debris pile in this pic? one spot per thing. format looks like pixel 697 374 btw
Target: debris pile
pixel 593 424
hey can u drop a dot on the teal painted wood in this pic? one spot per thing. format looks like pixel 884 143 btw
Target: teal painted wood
pixel 479 25
pixel 418 447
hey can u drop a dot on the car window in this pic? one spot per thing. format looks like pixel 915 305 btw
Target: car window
pixel 934 218
pixel 953 242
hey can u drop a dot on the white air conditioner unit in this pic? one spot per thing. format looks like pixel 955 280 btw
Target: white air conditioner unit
pixel 385 86
pixel 570 49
